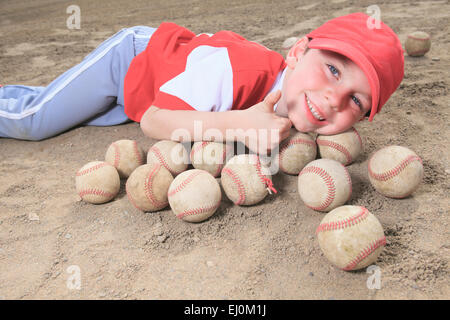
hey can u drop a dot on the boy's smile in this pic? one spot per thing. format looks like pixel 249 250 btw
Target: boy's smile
pixel 323 92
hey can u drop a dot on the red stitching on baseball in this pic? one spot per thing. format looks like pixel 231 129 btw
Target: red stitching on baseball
pixel 93 168
pixel 349 181
pixel 191 212
pixel 385 176
pixel 365 253
pixel 137 153
pixel 96 192
pixel 131 198
pixel 290 144
pixel 184 183
pixel 161 159
pixel 238 183
pixel 328 181
pixel 199 147
pixel 116 154
pixel 359 137
pixel 346 223
pixel 203 145
pixel 336 146
pixel 264 179
pixel 148 188
pixel 421 39
pixel 224 157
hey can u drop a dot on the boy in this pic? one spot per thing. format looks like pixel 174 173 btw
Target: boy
pixel 331 78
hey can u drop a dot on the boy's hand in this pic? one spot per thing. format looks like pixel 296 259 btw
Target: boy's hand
pixel 265 129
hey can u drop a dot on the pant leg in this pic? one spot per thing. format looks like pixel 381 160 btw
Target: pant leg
pixel 116 113
pixel 83 94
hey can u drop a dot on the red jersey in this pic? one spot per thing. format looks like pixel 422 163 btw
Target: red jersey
pixel 182 71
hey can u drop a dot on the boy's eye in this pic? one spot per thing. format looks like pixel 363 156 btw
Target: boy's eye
pixel 333 70
pixel 357 101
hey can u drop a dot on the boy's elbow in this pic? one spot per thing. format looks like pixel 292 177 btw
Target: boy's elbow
pixel 147 123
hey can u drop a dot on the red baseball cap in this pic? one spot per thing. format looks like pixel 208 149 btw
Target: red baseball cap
pixel 369 43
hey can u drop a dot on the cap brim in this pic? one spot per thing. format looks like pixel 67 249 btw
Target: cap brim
pixel 357 57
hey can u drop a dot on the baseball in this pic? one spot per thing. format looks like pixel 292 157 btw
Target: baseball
pixel 395 171
pixel 324 184
pixel 344 147
pixel 125 155
pixel 210 156
pixel 97 182
pixel 172 155
pixel 295 152
pixel 147 187
pixel 245 180
pixel 351 237
pixel 194 195
pixel 287 44
pixel 417 43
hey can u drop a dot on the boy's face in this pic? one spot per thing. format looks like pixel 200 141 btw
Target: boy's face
pixel 324 92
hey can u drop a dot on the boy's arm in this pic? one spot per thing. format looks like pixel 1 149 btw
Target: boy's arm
pixel 258 127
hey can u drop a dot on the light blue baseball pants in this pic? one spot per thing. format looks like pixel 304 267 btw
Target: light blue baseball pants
pixel 90 93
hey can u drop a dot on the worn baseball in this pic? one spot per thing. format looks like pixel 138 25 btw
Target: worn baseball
pixel 351 237
pixel 324 184
pixel 147 187
pixel 344 147
pixel 97 182
pixel 170 154
pixel 194 195
pixel 295 152
pixel 245 180
pixel 210 156
pixel 395 171
pixel 287 44
pixel 125 156
pixel 418 43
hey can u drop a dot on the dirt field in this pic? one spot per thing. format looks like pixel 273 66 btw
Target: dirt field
pixel 267 251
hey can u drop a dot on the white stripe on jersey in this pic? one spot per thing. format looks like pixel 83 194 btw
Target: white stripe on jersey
pixel 207 82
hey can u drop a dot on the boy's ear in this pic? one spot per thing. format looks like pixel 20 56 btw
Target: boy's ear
pixel 296 52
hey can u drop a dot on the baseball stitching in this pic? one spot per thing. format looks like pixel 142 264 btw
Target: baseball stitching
pixel 292 143
pixel 137 153
pixel 385 176
pixel 161 159
pixel 238 183
pixel 264 179
pixel 116 154
pixel 328 182
pixel 338 147
pixel 349 181
pixel 148 188
pixel 346 223
pixel 184 183
pixel 203 145
pixel 91 169
pixel 365 253
pixel 420 39
pixel 358 136
pixel 200 210
pixel 130 197
pixel 96 192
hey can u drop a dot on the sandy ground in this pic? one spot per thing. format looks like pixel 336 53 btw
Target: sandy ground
pixel 267 251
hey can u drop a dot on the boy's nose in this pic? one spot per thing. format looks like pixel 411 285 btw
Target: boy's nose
pixel 335 98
